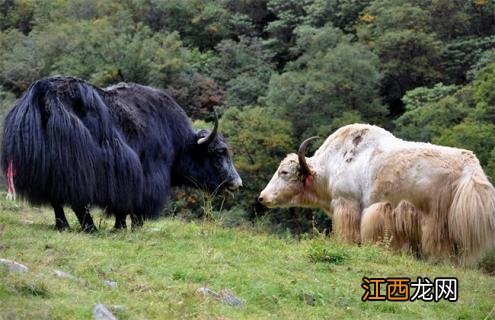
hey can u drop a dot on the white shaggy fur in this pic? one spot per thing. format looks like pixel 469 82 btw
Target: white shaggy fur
pixel 434 199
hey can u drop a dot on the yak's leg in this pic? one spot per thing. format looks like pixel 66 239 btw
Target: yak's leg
pixel 137 221
pixel 374 226
pixel 406 226
pixel 85 219
pixel 347 219
pixel 433 245
pixel 120 221
pixel 60 221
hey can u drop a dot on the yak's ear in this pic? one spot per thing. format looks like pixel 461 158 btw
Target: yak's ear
pixel 308 180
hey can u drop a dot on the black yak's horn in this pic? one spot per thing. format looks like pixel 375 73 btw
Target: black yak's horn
pixel 301 153
pixel 209 138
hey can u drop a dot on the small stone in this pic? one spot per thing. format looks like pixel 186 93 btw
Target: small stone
pixel 65 275
pixel 309 299
pixel 117 308
pixel 224 296
pixel 111 284
pixel 100 312
pixel 154 229
pixel 230 299
pixel 14 266
pixel 207 292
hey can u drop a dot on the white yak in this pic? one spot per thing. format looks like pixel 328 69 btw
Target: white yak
pixel 432 199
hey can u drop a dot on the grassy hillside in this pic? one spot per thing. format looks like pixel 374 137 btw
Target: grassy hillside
pixel 159 268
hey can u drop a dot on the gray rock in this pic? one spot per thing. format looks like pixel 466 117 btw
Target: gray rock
pixel 117 308
pixel 100 312
pixel 230 299
pixel 14 266
pixel 65 275
pixel 309 298
pixel 224 296
pixel 111 284
pixel 207 292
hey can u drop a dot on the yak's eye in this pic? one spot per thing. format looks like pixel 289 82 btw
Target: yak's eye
pixel 222 152
pixel 284 172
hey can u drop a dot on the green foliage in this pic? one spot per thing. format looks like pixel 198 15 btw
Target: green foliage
pixel 244 68
pixel 16 15
pixel 421 122
pixel 462 54
pixel 485 59
pixel 342 13
pixel 457 18
pixel 6 100
pixel 347 117
pixel 459 117
pixel 323 83
pixel 291 15
pixel 99 51
pixel 258 141
pixel 408 58
pixel 318 252
pixel 200 23
pixel 420 96
pixel 20 61
pixel 473 135
pixel 108 54
pixel 398 32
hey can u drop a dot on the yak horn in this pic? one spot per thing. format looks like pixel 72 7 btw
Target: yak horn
pixel 301 153
pixel 209 138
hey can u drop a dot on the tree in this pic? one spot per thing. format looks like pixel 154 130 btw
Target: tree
pixel 461 54
pixel 288 15
pixel 258 141
pixel 20 61
pixel 199 23
pixel 243 67
pixel 16 15
pixel 341 13
pixel 323 83
pixel 455 116
pixel 409 53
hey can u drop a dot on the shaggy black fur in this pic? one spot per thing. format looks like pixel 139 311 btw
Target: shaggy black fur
pixel 121 148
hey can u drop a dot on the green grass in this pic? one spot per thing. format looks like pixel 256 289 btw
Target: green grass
pixel 159 268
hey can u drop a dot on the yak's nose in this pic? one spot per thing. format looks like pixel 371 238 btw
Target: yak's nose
pixel 266 199
pixel 235 184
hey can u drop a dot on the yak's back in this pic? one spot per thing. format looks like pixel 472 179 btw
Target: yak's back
pixel 355 139
pixel 137 107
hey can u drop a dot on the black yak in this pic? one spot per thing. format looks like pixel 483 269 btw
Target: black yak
pixel 67 142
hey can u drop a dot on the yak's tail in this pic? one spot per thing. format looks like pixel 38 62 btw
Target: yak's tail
pixel 28 144
pixel 472 215
pixel 61 145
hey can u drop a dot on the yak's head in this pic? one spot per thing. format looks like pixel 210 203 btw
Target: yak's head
pixel 209 164
pixel 292 184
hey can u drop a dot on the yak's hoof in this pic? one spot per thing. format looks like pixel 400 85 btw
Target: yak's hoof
pixel 62 228
pixel 119 226
pixel 89 229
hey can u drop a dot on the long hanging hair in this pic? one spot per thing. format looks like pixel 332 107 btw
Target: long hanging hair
pixel 61 144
